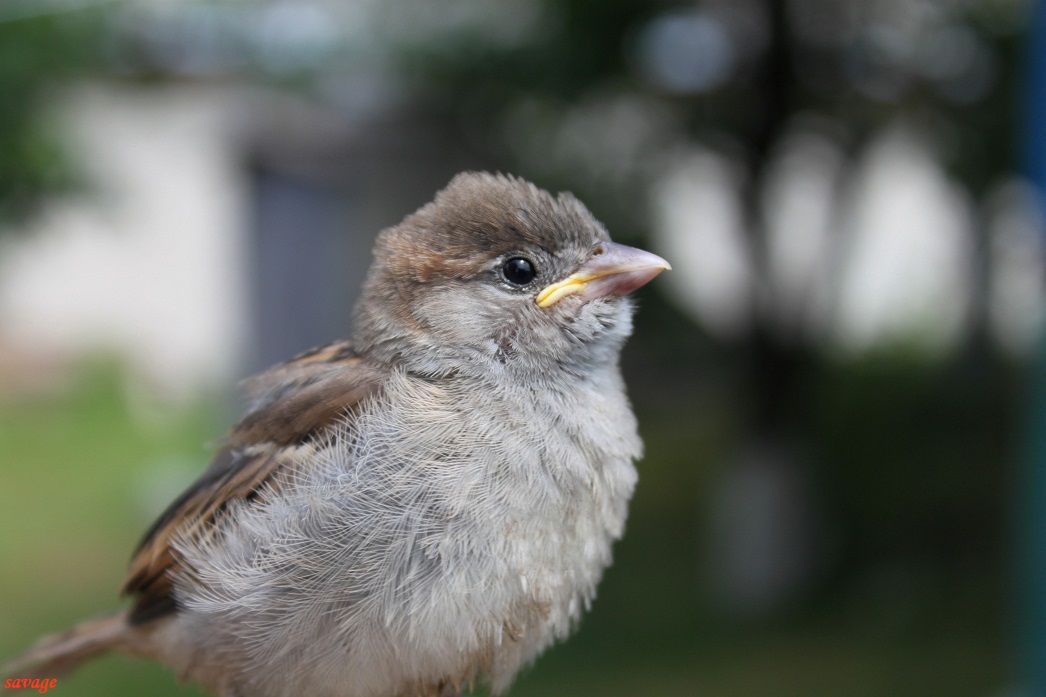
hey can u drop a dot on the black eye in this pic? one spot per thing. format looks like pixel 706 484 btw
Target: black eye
pixel 519 271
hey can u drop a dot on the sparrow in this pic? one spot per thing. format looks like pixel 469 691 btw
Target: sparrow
pixel 425 506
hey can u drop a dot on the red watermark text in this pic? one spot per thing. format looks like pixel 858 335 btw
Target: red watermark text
pixel 41 685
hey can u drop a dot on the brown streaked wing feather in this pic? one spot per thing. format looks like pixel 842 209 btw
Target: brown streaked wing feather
pixel 291 404
pixel 303 397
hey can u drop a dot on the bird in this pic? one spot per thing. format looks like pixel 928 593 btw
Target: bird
pixel 425 506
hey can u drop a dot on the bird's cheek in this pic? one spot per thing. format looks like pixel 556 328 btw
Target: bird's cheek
pixel 455 316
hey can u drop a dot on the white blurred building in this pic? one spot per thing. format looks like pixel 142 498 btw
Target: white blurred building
pixel 225 228
pixel 146 263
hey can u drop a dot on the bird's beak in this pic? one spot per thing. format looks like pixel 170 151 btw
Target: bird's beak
pixel 613 269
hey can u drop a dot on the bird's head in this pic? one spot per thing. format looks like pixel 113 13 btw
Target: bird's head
pixel 497 273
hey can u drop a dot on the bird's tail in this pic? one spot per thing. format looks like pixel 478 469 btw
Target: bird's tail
pixel 59 654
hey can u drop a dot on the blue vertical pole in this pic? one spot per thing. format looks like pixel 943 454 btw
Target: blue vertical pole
pixel 1035 99
pixel 1032 511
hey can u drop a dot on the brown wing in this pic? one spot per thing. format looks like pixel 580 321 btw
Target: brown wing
pixel 291 404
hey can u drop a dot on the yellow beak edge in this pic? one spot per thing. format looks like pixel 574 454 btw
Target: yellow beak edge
pixel 613 269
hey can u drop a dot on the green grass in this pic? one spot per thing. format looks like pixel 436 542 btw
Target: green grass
pixel 76 474
pixel 82 474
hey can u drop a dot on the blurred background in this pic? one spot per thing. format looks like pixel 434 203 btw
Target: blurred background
pixel 841 494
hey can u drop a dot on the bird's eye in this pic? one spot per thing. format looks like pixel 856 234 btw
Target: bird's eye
pixel 519 271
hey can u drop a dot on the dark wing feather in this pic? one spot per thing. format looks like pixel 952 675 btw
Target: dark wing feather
pixel 300 399
pixel 296 402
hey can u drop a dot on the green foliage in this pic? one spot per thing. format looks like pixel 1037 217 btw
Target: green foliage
pixel 74 470
pixel 918 457
pixel 37 55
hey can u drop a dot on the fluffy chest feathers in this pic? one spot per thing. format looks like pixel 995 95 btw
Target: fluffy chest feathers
pixel 460 532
